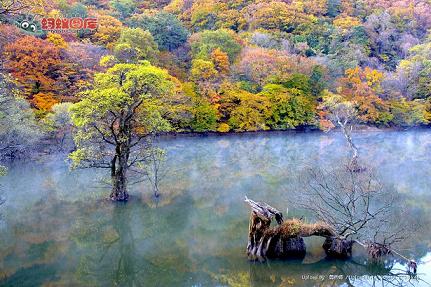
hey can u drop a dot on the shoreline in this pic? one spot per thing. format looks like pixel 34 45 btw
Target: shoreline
pixel 303 130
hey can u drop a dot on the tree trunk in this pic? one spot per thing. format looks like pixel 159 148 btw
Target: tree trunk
pixel 119 176
pixel 120 162
pixel 119 187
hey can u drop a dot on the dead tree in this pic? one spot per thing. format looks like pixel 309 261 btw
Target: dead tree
pixel 343 114
pixel 359 209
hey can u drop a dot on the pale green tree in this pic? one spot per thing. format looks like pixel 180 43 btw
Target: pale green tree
pixel 117 118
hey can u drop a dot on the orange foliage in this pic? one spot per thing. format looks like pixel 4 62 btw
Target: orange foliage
pixel 362 86
pixel 44 102
pixel 220 60
pixel 41 69
pixel 32 62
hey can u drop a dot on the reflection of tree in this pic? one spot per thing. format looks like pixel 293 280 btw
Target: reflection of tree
pixel 131 245
pixel 115 253
pixel 341 273
pixel 378 275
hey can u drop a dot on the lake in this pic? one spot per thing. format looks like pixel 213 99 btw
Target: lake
pixel 57 229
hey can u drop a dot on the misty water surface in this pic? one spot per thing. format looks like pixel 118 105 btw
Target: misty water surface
pixel 57 229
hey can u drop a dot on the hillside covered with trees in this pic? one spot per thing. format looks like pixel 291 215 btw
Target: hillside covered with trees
pixel 234 65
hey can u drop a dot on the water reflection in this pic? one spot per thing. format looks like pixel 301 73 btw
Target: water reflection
pixel 59 231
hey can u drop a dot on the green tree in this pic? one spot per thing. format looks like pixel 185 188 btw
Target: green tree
pixel 168 32
pixel 75 10
pixel 417 69
pixel 317 84
pixel 124 8
pixel 204 43
pixel 18 128
pixel 135 44
pixel 409 113
pixel 298 81
pixel 205 118
pixel 58 124
pixel 245 111
pixel 290 108
pixel 116 118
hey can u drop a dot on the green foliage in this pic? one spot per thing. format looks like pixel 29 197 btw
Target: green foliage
pixel 417 67
pixel 74 10
pixel 300 82
pixel 58 123
pixel 204 43
pixel 289 107
pixel 248 86
pixel 135 44
pixel 251 112
pixel 59 117
pixel 202 70
pixel 124 8
pixel 334 7
pixel 139 91
pixel 409 113
pixel 168 32
pixel 18 128
pixel 316 81
pixel 3 170
pixel 266 63
pixel 204 118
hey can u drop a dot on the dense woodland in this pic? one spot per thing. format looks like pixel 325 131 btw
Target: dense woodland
pixel 237 65
pixel 157 66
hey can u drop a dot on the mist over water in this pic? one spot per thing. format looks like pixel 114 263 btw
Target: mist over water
pixel 57 229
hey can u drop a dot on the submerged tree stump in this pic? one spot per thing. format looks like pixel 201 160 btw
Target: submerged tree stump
pixel 338 248
pixel 284 241
pixel 265 241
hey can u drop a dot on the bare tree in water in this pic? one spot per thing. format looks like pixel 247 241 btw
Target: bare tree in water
pixel 154 168
pixel 359 208
pixel 341 113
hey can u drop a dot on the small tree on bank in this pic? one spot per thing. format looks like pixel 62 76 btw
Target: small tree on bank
pixel 19 132
pixel 128 103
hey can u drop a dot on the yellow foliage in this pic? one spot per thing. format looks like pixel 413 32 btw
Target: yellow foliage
pixel 202 70
pixel 57 40
pixel 54 13
pixel 175 6
pixel 108 31
pixel 346 22
pixel 223 128
pixel 316 7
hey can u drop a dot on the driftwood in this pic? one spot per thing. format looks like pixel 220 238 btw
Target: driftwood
pixel 285 240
